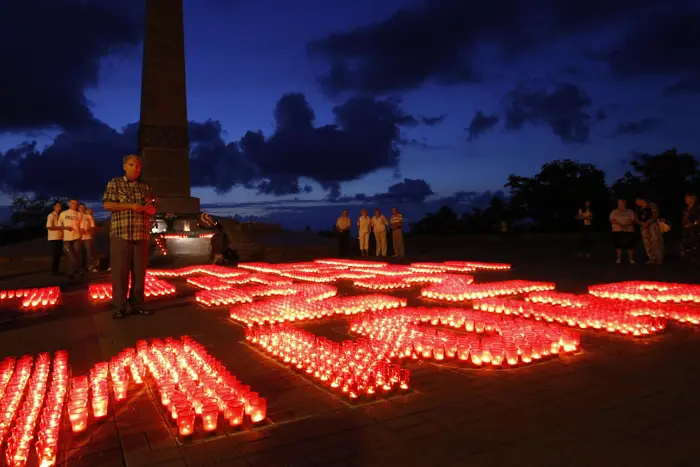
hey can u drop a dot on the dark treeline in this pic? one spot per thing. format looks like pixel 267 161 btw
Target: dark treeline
pixel 549 201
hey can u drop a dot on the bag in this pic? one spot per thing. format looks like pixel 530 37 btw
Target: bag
pixel 664 227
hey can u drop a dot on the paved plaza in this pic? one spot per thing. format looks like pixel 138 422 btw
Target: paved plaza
pixel 620 401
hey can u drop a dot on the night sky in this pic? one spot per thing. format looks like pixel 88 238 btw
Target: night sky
pixel 433 100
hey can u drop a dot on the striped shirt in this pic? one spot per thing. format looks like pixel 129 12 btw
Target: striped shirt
pixel 396 221
pixel 129 225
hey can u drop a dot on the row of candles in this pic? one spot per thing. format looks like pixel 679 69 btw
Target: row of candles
pixel 299 308
pixel 353 368
pixel 232 296
pixel 655 292
pixel 34 298
pixel 599 316
pixel 191 386
pixel 613 308
pixel 457 289
pixel 154 287
pixel 208 269
pixel 34 405
pixel 495 340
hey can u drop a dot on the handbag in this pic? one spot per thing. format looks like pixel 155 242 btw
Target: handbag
pixel 664 227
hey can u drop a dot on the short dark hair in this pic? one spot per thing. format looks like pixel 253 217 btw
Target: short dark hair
pixel 81 204
pixel 131 156
pixel 57 202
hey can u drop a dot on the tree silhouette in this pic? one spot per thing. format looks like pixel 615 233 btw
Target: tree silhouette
pixel 552 197
pixel 664 178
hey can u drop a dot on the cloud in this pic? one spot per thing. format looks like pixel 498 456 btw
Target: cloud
pixel 637 127
pixel 684 86
pixel 413 191
pixel 432 121
pixel 51 54
pixel 564 109
pixel 667 43
pixel 365 137
pixel 480 124
pixel 445 38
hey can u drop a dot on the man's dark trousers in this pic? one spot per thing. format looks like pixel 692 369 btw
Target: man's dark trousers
pixel 56 253
pixel 128 256
pixel 344 243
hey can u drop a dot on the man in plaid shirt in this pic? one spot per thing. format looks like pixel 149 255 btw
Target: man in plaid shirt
pixel 131 203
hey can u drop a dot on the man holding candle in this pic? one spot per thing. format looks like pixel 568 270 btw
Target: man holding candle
pixel 131 204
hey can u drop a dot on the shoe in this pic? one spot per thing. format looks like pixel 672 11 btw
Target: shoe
pixel 142 312
pixel 632 261
pixel 619 261
pixel 120 313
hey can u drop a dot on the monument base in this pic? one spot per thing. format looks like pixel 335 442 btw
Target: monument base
pixel 178 205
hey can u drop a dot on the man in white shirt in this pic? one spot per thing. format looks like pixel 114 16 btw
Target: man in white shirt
pixel 87 229
pixel 55 237
pixel 70 220
pixel 363 226
pixel 379 224
pixel 397 232
pixel 342 225
pixel 622 221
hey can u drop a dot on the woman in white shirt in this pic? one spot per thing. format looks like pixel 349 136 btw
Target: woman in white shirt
pixel 622 221
pixel 363 225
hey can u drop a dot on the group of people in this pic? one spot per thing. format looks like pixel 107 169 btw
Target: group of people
pixel 72 230
pixel 376 225
pixel 624 223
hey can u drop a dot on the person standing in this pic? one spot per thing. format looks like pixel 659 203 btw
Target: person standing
pixel 87 229
pixel 363 226
pixel 585 215
pixel 622 221
pixel 648 220
pixel 691 229
pixel 55 237
pixel 70 220
pixel 379 224
pixel 342 225
pixel 219 244
pixel 131 204
pixel 396 223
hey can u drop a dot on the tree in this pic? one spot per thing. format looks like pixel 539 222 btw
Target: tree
pixel 31 212
pixel 443 222
pixel 552 197
pixel 664 178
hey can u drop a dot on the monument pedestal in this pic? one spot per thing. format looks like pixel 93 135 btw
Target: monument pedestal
pixel 178 204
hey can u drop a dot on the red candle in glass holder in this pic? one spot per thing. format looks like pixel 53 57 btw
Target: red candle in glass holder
pixel 234 412
pixel 185 422
pixel 210 416
pixel 78 419
pixel 258 410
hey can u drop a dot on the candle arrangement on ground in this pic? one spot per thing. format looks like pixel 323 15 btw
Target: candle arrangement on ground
pixel 675 311
pixel 232 295
pixel 29 404
pixel 215 270
pixel 195 388
pixel 461 288
pixel 300 308
pixel 354 368
pixel 33 298
pixel 661 292
pixel 383 283
pixel 490 339
pixel 154 288
pixel 594 315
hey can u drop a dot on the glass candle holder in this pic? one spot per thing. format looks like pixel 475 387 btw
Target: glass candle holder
pixel 210 416
pixel 258 410
pixel 78 419
pixel 185 422
pixel 99 406
pixel 234 412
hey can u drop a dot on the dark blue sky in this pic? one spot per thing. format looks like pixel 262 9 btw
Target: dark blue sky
pixel 550 79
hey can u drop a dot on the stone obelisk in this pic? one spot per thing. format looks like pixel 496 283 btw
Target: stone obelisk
pixel 163 139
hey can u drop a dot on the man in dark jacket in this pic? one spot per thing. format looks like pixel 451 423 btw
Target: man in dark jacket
pixel 219 244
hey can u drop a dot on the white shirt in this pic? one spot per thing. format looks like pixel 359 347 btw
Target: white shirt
pixel 52 221
pixel 363 223
pixel 379 223
pixel 86 225
pixel 622 221
pixel 70 218
pixel 343 223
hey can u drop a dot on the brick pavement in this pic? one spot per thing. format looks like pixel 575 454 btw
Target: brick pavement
pixel 618 402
